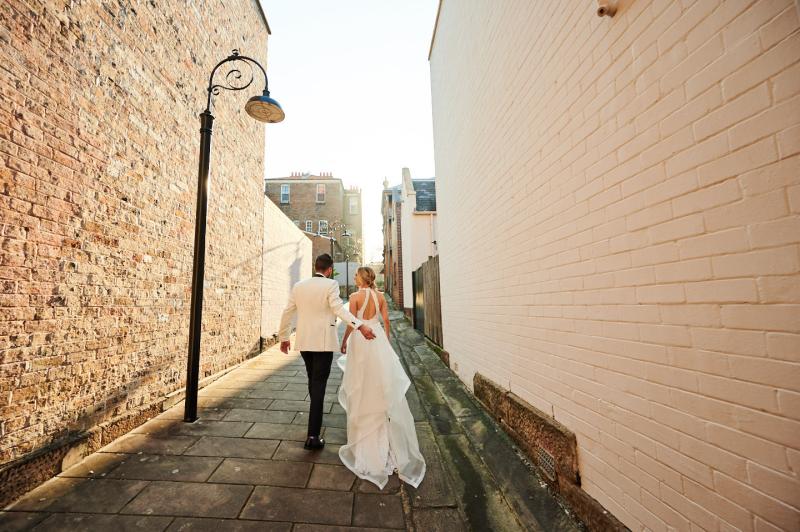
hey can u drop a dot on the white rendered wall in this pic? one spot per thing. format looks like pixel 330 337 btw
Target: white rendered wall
pixel 619 217
pixel 287 259
pixel 418 236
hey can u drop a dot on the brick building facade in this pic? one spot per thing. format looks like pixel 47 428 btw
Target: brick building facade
pixel 619 247
pixel 391 209
pixel 321 204
pixel 98 163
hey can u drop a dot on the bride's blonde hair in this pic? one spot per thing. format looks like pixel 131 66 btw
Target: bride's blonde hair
pixel 367 276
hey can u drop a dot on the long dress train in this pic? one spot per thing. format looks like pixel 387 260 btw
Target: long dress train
pixel 381 436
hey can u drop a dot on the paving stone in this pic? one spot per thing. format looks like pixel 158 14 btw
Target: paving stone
pixel 378 510
pixel 328 528
pixel 416 371
pixel 297 386
pixel 266 387
pixel 230 383
pixel 330 390
pixel 96 465
pixel 157 427
pixel 232 429
pixel 189 499
pixel 277 431
pixel 184 524
pixel 439 520
pixel 292 450
pixel 96 522
pixel 286 380
pixel 478 495
pixel 144 443
pixel 527 495
pixel 166 467
pixel 224 392
pixel 260 416
pixel 435 489
pixel 337 409
pixel 233 447
pixel 234 402
pixel 415 405
pixel 392 486
pixel 18 521
pixel 293 395
pixel 334 435
pixel 457 397
pixel 252 376
pixel 176 412
pixel 331 477
pixel 295 405
pixel 442 419
pixel 338 421
pixel 299 505
pixel 287 372
pixel 264 472
pixel 88 495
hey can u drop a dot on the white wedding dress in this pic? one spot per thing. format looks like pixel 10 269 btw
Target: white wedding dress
pixel 381 436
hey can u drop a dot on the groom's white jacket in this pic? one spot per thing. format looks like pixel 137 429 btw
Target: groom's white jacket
pixel 317 303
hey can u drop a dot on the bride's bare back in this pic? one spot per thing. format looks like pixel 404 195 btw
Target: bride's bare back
pixel 357 300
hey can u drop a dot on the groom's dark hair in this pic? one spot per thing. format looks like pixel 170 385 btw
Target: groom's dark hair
pixel 323 262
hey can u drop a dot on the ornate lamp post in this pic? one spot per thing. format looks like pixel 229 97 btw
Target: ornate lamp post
pixel 262 108
pixel 348 234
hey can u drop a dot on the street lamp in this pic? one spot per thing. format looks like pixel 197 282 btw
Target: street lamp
pixel 347 234
pixel 262 108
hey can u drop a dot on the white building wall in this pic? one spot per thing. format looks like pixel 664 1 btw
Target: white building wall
pixel 287 259
pixel 619 216
pixel 418 236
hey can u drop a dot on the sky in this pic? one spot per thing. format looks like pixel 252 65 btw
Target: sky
pixel 353 79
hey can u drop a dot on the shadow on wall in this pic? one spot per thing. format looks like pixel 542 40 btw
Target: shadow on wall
pixel 294 276
pixel 295 267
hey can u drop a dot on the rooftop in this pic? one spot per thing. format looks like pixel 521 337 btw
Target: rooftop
pixel 426 194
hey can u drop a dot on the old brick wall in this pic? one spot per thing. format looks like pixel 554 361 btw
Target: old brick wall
pixel 287 259
pixel 99 135
pixel 627 192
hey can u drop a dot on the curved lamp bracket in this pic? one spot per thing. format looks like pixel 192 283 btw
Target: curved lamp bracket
pixel 234 79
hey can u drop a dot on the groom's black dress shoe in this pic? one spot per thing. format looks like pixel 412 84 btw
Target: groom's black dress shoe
pixel 313 443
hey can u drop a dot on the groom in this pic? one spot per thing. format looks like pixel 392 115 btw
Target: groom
pixel 316 302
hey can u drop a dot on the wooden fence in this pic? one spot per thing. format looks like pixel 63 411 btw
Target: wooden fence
pixel 427 312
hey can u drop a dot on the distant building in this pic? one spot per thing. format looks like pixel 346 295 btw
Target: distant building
pixel 409 233
pixel 321 205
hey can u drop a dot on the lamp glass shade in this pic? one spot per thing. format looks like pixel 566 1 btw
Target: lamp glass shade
pixel 264 109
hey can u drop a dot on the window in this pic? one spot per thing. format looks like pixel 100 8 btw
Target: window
pixel 309 226
pixel 284 193
pixel 323 227
pixel 321 193
pixel 353 205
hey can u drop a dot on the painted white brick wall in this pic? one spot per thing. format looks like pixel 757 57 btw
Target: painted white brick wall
pixel 287 259
pixel 627 191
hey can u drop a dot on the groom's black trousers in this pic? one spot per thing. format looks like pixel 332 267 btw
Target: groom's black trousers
pixel 318 367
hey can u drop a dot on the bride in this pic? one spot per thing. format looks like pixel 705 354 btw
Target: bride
pixel 381 437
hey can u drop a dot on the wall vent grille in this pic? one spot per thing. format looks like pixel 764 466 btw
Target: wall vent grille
pixel 547 462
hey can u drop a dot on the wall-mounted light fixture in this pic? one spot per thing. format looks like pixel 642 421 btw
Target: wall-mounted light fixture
pixel 606 8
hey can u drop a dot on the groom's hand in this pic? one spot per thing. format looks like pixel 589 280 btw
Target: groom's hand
pixel 285 346
pixel 367 332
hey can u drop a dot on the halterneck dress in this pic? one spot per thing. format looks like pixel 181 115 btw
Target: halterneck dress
pixel 381 435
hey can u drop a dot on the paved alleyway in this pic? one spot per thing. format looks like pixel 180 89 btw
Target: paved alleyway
pixel 242 467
